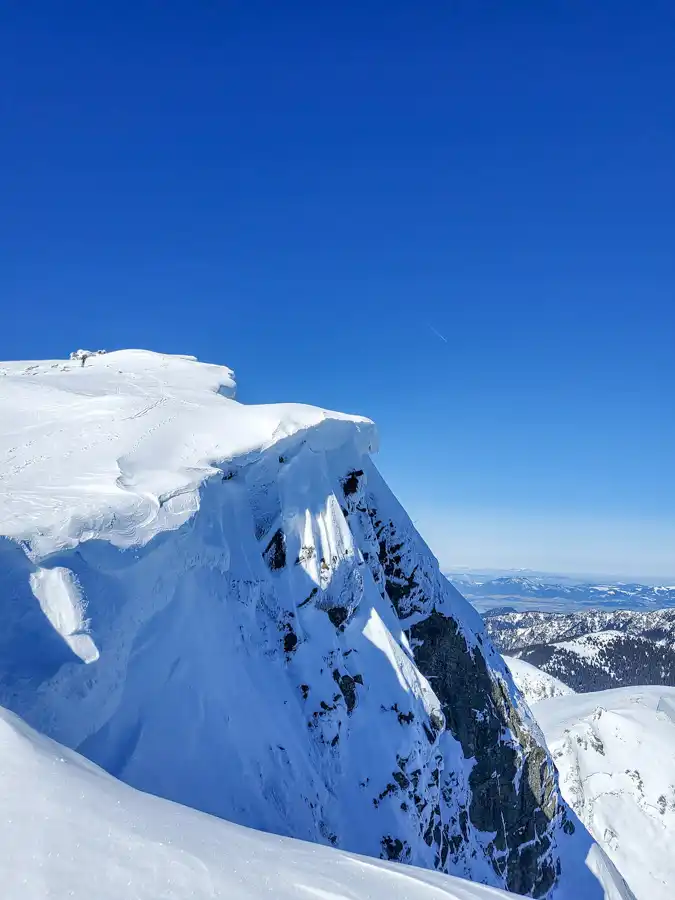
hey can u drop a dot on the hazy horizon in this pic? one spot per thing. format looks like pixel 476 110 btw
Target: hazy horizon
pixel 549 545
pixel 593 577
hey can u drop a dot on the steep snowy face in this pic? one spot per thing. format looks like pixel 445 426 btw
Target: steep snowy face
pixel 614 752
pixel 225 606
pixel 512 792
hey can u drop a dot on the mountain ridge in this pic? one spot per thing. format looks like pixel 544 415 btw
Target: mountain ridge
pixel 234 612
pixel 591 650
pixel 552 593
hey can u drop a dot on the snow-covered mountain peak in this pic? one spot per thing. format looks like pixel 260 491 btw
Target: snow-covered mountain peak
pixel 225 605
pixel 119 444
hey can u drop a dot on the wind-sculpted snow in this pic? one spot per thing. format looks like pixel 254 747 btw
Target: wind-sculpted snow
pixel 224 605
pixel 121 445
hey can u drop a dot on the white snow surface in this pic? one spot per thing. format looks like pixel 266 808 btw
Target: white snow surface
pixel 122 444
pixel 535 684
pixel 68 829
pixel 614 752
pixel 176 650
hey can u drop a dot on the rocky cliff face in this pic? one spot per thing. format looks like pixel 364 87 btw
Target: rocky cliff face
pixel 356 704
pixel 269 640
pixel 512 789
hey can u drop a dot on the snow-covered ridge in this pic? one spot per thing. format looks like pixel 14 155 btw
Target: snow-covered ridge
pixel 515 630
pixel 592 650
pixel 226 606
pixel 121 444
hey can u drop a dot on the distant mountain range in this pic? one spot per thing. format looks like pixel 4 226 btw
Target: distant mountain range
pixel 557 593
pixel 591 650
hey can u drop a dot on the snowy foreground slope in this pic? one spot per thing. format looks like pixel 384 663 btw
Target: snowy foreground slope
pixel 224 605
pixel 70 830
pixel 615 754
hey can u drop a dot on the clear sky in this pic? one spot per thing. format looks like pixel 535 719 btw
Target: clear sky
pixel 455 217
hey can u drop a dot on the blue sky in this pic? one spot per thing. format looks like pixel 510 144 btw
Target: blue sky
pixel 313 193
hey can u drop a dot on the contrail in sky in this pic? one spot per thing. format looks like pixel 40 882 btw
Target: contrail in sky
pixel 437 333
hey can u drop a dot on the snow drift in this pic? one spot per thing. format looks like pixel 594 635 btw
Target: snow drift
pixel 224 605
pixel 70 830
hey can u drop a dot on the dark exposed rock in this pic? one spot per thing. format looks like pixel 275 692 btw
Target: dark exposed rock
pixel 308 599
pixel 403 718
pixel 517 804
pixel 394 849
pixel 338 616
pixel 328 834
pixel 350 484
pixel 401 780
pixel 275 552
pixel 387 792
pixel 435 726
pixel 347 687
pixel 305 554
pixel 514 792
pixel 290 639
